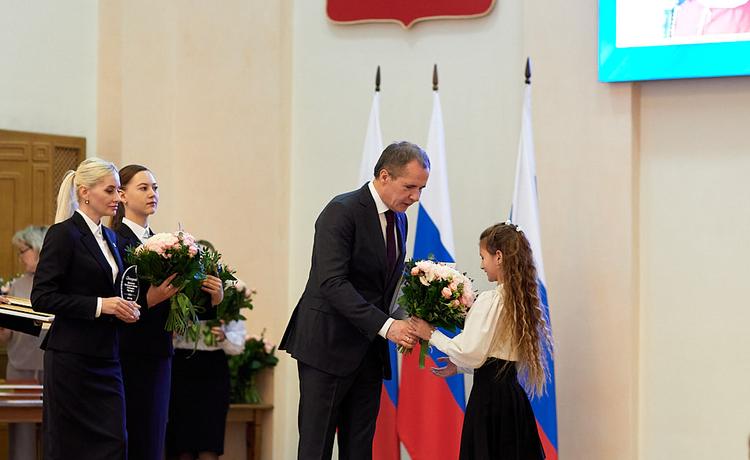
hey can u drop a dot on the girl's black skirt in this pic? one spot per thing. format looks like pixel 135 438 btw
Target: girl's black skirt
pixel 499 423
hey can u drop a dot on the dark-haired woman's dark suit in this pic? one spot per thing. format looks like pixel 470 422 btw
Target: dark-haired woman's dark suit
pixel 84 403
pixel 146 358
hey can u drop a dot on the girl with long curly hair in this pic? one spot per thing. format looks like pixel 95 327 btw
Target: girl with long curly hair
pixel 504 343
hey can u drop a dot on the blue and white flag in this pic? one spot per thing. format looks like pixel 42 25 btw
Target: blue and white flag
pixel 525 213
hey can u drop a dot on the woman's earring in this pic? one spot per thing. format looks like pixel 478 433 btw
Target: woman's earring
pixel 87 201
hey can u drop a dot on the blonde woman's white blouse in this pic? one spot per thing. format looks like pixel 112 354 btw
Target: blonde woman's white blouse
pixel 470 349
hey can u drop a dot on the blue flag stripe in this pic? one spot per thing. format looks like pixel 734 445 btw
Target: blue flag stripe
pixel 427 242
pixel 545 407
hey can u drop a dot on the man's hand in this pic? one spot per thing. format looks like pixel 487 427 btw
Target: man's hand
pixel 401 333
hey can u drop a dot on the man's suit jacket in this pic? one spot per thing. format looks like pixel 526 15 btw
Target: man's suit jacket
pixel 147 335
pixel 72 272
pixel 349 290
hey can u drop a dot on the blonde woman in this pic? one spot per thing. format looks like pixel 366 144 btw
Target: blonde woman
pixel 84 403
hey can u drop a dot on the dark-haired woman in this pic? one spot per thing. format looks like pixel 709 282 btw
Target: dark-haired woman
pixel 145 347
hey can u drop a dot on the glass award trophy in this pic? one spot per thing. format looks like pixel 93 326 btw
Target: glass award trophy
pixel 129 286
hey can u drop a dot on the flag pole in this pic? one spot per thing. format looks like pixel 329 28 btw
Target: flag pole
pixel 528 71
pixel 377 80
pixel 434 78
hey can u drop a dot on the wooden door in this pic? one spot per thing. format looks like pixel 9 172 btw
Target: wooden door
pixel 32 166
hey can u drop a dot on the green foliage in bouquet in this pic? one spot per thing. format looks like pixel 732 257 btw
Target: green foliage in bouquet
pixel 211 263
pixel 236 297
pixel 243 368
pixel 438 294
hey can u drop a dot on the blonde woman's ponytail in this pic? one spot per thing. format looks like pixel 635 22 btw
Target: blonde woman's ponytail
pixel 89 173
pixel 67 198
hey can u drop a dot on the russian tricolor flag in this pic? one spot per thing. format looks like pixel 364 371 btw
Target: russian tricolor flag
pixel 431 409
pixel 525 213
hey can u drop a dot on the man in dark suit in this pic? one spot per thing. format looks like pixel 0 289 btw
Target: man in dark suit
pixel 338 330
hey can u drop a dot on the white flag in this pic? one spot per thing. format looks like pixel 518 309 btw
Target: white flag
pixel 525 209
pixel 373 143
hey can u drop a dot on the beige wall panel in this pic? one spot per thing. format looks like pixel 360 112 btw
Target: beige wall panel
pixel 202 103
pixel 586 168
pixel 695 364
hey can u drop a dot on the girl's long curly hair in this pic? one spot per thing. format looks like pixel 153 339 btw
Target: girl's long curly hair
pixel 523 323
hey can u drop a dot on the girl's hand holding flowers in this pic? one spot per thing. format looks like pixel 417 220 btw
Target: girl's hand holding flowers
pixel 162 292
pixel 446 371
pixel 215 288
pixel 422 328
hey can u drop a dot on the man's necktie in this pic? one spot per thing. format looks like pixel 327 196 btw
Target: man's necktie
pixel 390 239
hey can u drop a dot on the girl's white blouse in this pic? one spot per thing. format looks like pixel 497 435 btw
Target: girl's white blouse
pixel 470 349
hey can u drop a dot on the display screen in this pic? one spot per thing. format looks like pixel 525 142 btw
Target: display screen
pixel 662 39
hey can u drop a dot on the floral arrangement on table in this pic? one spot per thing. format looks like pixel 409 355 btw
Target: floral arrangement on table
pixel 259 354
pixel 237 296
pixel 166 253
pixel 437 293
pixel 6 284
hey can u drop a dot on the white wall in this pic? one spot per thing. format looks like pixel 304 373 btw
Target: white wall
pixel 48 56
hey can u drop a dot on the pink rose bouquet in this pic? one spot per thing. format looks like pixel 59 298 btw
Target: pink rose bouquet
pixel 437 293
pixel 164 254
